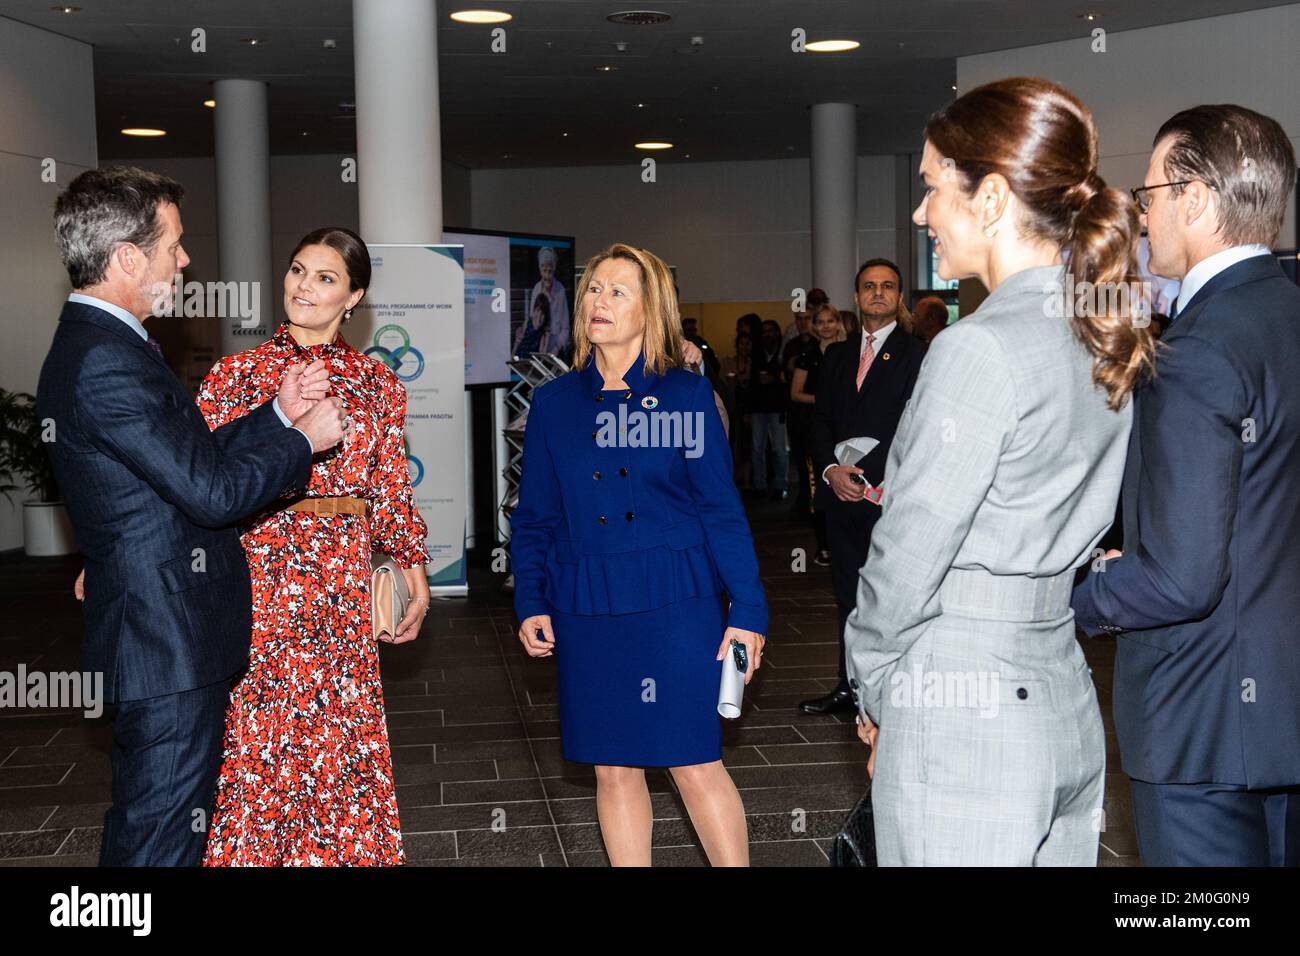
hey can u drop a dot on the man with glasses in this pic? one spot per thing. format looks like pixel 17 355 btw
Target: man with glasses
pixel 1205 598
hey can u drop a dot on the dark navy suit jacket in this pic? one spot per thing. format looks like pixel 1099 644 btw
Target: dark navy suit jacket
pixel 153 496
pixel 606 528
pixel 1206 598
pixel 844 411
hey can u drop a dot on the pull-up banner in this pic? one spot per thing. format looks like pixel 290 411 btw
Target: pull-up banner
pixel 414 322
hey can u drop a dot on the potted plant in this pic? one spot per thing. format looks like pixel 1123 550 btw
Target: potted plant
pixel 23 458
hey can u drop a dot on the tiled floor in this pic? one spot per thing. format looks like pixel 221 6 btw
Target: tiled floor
pixel 475 734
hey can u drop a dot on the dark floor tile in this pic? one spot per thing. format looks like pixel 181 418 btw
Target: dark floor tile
pixel 424 846
pixel 796 825
pixel 489 750
pixel 32 843
pixel 77 815
pixel 58 754
pixel 42 776
pixel 799 776
pixel 505 791
pixel 790 853
pixel 855 752
pixel 405 773
pixel 24 818
pixel 476 816
pixel 82 841
pixel 62 862
pixel 512 841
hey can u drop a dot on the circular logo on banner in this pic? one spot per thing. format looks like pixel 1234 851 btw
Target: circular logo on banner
pixel 392 346
pixel 416 469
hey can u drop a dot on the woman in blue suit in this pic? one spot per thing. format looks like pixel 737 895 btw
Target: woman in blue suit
pixel 628 529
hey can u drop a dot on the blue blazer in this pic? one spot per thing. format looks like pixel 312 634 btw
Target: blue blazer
pixel 670 516
pixel 153 496
pixel 1206 599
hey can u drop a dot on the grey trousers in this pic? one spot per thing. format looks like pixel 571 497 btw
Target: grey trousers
pixel 991 750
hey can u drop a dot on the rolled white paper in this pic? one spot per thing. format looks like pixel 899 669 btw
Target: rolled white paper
pixel 731 690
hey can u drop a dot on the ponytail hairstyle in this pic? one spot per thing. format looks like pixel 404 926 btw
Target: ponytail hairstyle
pixel 1043 141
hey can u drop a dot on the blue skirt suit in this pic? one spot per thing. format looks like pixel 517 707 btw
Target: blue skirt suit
pixel 630 534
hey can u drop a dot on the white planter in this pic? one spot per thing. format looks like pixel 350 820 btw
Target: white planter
pixel 47 532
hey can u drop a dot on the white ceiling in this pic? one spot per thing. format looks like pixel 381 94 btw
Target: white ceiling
pixel 742 94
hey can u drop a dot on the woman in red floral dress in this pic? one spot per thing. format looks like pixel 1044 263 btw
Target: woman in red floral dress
pixel 306 776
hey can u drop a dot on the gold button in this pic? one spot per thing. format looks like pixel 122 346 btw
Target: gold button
pixel 602 519
pixel 627 394
pixel 596 475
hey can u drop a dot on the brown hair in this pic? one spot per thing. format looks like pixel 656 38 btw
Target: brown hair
pixel 350 247
pixel 1042 140
pixel 1244 156
pixel 662 341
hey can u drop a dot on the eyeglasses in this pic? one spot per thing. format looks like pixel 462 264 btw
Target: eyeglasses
pixel 1143 200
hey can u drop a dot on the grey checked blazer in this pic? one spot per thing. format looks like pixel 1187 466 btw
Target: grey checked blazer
pixel 1001 480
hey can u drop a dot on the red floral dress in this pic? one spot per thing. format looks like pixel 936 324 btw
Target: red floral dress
pixel 306 775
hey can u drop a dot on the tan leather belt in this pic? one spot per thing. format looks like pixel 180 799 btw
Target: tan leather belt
pixel 330 506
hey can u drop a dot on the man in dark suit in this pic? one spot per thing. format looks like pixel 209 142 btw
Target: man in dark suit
pixel 1205 599
pixel 865 383
pixel 153 495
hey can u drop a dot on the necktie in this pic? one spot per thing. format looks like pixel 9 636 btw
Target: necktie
pixel 868 354
pixel 1173 312
pixel 153 344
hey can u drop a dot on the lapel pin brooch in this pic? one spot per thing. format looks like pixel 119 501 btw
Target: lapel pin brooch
pixel 649 402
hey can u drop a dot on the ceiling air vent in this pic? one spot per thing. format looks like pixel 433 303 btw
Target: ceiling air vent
pixel 640 18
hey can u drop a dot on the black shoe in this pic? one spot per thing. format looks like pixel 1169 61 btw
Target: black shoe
pixel 836 702
pixel 822 558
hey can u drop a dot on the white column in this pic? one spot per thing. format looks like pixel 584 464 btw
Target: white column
pixel 399 144
pixel 834 200
pixel 243 166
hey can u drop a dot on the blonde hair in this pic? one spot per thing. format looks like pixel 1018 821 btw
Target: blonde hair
pixel 662 340
pixel 843 333
pixel 904 316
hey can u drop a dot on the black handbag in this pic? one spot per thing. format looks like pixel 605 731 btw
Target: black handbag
pixel 855 844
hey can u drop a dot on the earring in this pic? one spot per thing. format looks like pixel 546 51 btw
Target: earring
pixel 347 314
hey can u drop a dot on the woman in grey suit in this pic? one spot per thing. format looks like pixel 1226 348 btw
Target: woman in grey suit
pixel 987 742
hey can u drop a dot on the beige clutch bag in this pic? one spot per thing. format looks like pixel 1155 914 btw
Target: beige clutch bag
pixel 389 597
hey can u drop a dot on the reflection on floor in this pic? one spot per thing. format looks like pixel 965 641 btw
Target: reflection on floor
pixel 476 739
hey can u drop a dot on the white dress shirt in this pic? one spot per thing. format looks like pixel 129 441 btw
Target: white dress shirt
pixel 138 328
pixel 1211 266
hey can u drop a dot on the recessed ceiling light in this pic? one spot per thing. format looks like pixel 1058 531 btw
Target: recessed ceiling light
pixel 831 46
pixel 481 16
pixel 606 68
pixel 654 144
pixel 641 18
pixel 62 9
pixel 210 104
pixel 640 106
pixel 143 131
pixel 252 41
pixel 1090 16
